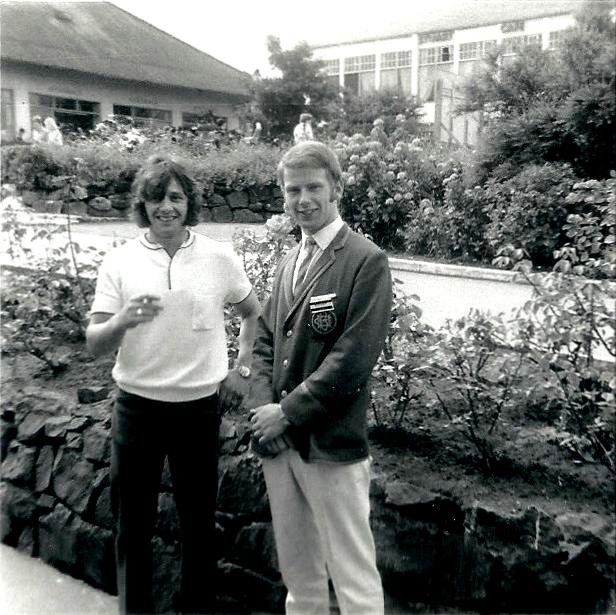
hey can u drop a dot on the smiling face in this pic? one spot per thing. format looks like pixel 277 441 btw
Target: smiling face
pixel 167 217
pixel 310 198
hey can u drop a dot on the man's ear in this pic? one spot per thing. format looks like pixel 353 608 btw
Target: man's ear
pixel 337 193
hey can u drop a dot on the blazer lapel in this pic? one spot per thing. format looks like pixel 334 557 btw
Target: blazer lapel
pixel 287 275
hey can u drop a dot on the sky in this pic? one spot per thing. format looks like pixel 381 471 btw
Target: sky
pixel 235 31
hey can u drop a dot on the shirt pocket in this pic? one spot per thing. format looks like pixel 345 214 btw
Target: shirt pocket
pixel 206 312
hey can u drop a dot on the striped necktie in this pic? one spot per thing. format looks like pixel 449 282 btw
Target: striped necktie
pixel 310 246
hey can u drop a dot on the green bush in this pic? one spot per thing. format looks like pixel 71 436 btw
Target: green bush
pixel 108 165
pixel 386 180
pixel 454 228
pixel 48 305
pixel 591 250
pixel 529 210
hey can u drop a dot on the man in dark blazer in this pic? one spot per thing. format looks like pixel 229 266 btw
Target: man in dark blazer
pixel 318 338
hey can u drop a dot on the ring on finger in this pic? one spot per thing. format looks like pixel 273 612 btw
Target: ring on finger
pixel 139 311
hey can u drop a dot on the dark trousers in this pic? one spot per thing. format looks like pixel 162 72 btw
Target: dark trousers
pixel 144 433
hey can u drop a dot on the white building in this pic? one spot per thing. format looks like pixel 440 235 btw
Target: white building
pixel 82 61
pixel 429 58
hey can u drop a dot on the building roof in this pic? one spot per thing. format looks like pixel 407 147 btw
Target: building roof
pixel 463 14
pixel 99 38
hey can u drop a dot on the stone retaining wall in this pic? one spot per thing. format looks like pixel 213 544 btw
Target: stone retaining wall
pixel 433 552
pixel 254 204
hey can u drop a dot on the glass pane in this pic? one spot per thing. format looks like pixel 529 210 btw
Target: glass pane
pixel 366 82
pixel 42 100
pixel 389 79
pixel 66 103
pixel 121 110
pixel 88 106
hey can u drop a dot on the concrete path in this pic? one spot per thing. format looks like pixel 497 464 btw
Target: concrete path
pixel 30 587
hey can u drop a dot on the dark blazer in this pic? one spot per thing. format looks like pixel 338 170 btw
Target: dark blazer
pixel 314 353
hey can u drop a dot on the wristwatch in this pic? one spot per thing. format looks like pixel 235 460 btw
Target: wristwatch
pixel 243 371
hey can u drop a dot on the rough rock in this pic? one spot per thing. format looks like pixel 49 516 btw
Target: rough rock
pixel 44 468
pixel 245 216
pixel 241 488
pixel 222 214
pixel 237 199
pixel 92 394
pixel 97 444
pixel 18 467
pixel 74 480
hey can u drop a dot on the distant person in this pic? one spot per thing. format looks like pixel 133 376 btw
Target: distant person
pixel 159 304
pixel 303 131
pixel 21 135
pixel 39 132
pixel 54 136
pixel 256 135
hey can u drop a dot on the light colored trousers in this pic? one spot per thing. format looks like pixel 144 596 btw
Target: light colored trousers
pixel 320 514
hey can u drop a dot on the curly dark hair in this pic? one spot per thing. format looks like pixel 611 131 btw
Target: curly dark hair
pixel 151 184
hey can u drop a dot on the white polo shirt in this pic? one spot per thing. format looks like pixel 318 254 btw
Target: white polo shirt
pixel 182 353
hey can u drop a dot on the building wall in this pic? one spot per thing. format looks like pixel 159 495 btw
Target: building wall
pixel 23 80
pixel 421 77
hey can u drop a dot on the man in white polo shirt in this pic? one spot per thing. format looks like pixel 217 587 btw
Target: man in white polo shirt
pixel 159 302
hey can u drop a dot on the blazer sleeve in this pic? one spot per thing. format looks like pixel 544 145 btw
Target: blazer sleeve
pixel 346 369
pixel 261 389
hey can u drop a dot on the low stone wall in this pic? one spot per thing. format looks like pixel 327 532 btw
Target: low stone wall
pixel 432 551
pixel 254 204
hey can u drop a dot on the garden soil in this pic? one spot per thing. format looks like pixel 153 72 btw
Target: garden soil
pixel 535 469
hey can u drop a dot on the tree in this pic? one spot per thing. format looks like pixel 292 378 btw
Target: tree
pixel 547 106
pixel 302 87
pixel 356 114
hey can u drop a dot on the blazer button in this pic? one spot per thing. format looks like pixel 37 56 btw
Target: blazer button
pixel 283 394
pixel 289 333
pixel 285 363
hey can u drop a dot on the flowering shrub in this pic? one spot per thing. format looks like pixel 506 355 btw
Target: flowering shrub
pixel 568 331
pixel 385 182
pixel 453 228
pixel 48 304
pixel 591 231
pixel 529 210
pixel 396 388
pixel 260 253
pixel 473 378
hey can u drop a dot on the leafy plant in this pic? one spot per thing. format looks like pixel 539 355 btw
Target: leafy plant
pixel 530 210
pixel 396 388
pixel 474 380
pixel 261 253
pixel 592 230
pixel 568 333
pixel 48 300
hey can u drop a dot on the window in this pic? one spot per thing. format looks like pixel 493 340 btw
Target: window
pixel 206 120
pixel 557 39
pixel 144 116
pixel 396 71
pixel 473 51
pixel 359 74
pixel 395 59
pixel 7 109
pixel 82 114
pixel 436 55
pixel 359 64
pixel 435 37
pixel 513 26
pixel 332 67
pixel 513 44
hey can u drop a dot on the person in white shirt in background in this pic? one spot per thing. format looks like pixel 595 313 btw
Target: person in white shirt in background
pixel 54 136
pixel 303 131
